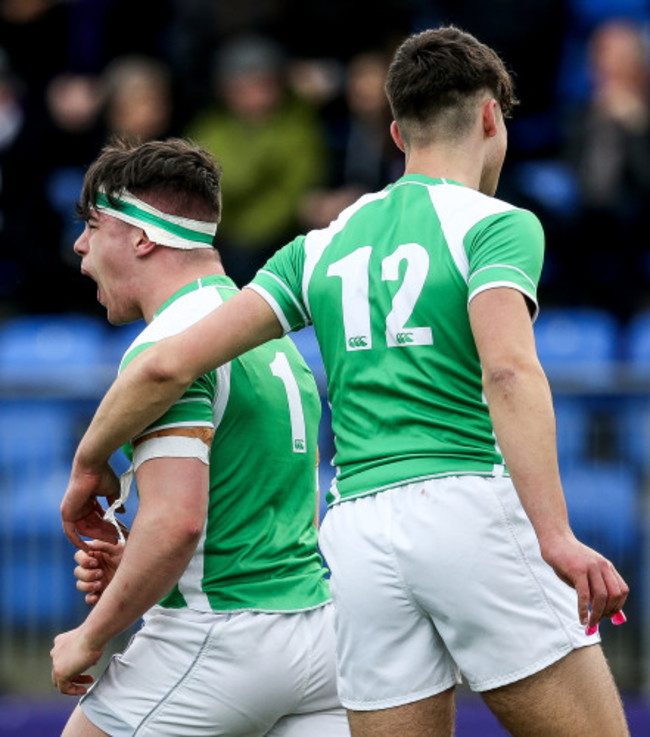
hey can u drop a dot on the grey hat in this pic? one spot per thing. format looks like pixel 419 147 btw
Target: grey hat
pixel 249 54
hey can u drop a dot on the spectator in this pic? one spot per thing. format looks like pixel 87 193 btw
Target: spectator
pixel 139 98
pixel 362 157
pixel 72 138
pixel 608 147
pixel 270 145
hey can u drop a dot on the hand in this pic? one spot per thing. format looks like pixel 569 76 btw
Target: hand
pixel 81 512
pixel 96 568
pixel 71 655
pixel 597 582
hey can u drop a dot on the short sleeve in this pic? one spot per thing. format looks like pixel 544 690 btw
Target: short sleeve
pixel 279 283
pixel 194 409
pixel 506 250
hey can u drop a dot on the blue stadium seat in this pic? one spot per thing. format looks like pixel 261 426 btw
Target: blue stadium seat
pixel 37 435
pixel 572 416
pixel 36 578
pixel 604 507
pixel 119 339
pixel 634 432
pixel 578 345
pixel 36 582
pixel 53 353
pixel 637 346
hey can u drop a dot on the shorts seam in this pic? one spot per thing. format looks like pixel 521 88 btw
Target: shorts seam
pixel 159 707
pixel 526 562
pixel 310 664
pixel 403 584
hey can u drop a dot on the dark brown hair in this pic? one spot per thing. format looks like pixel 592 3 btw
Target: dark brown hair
pixel 175 175
pixel 440 72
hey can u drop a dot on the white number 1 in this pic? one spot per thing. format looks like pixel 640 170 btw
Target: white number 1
pixel 280 367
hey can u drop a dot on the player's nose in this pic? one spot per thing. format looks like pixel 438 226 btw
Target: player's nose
pixel 81 244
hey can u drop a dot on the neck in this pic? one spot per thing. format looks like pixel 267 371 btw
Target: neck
pixel 171 274
pixel 461 162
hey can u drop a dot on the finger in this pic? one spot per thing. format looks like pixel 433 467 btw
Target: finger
pixel 102 546
pixel 87 574
pixel 83 573
pixel 582 589
pixel 598 598
pixel 92 599
pixel 71 688
pixel 617 590
pixel 99 531
pixel 92 587
pixel 82 678
pixel 84 559
pixel 73 536
pixel 95 522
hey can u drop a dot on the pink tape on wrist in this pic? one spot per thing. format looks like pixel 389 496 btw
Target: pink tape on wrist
pixel 619 618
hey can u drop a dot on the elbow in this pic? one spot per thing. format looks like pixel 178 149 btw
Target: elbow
pixel 186 535
pixel 500 377
pixel 165 369
pixel 506 376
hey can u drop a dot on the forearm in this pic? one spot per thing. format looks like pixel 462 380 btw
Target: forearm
pixel 122 413
pixel 158 377
pixel 158 551
pixel 521 409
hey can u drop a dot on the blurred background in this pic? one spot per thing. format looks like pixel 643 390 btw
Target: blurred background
pixel 288 96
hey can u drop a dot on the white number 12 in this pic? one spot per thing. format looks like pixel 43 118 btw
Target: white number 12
pixel 353 272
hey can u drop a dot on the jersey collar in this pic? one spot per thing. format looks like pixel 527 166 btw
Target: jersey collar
pixel 213 280
pixel 423 179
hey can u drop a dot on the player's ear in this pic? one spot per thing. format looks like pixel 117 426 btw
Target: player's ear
pixel 142 245
pixel 397 136
pixel 489 114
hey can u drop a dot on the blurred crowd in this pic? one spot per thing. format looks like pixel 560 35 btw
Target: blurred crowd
pixel 288 96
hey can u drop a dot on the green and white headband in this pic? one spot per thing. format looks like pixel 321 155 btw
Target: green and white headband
pixel 160 227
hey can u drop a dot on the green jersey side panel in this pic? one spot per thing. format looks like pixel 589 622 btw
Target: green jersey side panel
pixel 259 546
pixel 387 287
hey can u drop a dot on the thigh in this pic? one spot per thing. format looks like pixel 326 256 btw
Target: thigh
pixel 574 697
pixel 80 726
pixel 431 717
pixel 389 652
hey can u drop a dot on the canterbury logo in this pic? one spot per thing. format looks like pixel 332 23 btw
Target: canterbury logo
pixel 299 444
pixel 359 341
pixel 404 338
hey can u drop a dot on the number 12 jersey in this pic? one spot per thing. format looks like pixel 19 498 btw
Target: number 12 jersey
pixel 387 287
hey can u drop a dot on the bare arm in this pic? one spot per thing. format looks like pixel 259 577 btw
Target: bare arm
pixel 521 409
pixel 159 376
pixel 152 383
pixel 173 503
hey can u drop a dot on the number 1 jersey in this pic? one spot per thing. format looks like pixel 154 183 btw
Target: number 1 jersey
pixel 387 287
pixel 258 549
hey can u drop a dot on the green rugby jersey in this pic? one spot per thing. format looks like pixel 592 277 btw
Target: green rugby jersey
pixel 387 286
pixel 258 550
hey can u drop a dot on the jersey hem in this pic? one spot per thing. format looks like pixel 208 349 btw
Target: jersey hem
pixel 240 610
pixel 412 480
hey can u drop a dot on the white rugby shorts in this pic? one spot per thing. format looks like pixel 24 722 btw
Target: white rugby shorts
pixel 186 674
pixel 440 578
